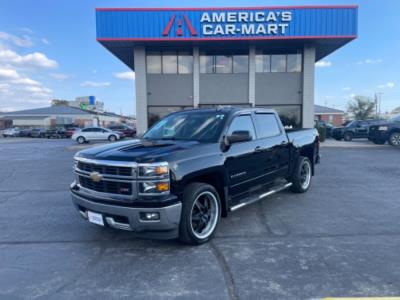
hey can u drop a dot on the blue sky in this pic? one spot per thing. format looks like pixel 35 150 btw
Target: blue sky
pixel 48 50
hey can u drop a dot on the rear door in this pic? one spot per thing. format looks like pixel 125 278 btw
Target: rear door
pixel 362 129
pixel 274 146
pixel 242 161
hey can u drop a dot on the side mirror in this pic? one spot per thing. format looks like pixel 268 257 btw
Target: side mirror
pixel 238 136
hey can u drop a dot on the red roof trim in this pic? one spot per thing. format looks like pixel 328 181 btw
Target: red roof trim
pixel 226 38
pixel 221 8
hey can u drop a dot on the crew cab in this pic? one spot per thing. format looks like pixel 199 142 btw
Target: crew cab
pixel 190 169
pixel 386 132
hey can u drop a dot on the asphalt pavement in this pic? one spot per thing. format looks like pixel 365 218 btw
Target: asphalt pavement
pixel 341 238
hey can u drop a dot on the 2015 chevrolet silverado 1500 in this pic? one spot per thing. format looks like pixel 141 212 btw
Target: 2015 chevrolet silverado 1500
pixel 191 168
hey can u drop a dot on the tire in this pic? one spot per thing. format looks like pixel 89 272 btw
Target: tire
pixel 378 141
pixel 80 140
pixel 195 196
pixel 112 138
pixel 394 139
pixel 301 179
pixel 348 136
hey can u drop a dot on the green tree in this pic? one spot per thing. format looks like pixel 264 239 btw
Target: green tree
pixel 361 107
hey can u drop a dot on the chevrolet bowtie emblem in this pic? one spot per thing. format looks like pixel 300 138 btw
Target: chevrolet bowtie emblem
pixel 96 176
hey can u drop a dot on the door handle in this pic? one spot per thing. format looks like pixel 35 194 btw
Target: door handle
pixel 259 149
pixel 284 143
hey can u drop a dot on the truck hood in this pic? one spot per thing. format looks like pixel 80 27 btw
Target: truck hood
pixel 139 150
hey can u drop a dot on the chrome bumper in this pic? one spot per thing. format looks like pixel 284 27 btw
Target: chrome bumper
pixel 168 222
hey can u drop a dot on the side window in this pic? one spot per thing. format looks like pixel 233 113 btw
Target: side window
pixel 97 129
pixel 267 125
pixel 242 123
pixel 87 130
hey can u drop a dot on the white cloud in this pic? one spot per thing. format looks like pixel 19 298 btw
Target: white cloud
pixel 59 76
pixel 370 61
pixel 8 74
pixel 347 88
pixel 45 41
pixel 388 85
pixel 23 41
pixel 323 64
pixel 95 84
pixel 35 59
pixel 125 75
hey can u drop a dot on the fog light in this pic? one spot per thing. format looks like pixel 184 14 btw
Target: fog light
pixel 149 216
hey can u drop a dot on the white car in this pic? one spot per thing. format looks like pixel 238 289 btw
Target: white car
pixel 95 134
pixel 11 132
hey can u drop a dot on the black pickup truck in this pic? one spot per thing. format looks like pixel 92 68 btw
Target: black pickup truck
pixel 386 132
pixel 191 168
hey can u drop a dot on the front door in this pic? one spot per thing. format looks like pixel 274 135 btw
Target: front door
pixel 243 159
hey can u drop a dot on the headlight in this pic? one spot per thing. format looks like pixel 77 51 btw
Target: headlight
pixel 154 187
pixel 153 170
pixel 383 128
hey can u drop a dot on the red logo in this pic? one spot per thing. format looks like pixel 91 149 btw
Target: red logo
pixel 179 31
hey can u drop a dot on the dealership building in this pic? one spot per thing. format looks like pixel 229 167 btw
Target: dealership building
pixel 188 58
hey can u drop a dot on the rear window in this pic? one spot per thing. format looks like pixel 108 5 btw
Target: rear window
pixel 267 125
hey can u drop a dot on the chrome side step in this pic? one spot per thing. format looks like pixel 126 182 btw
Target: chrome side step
pixel 259 197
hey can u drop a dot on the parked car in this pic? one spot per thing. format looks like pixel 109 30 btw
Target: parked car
pixel 125 129
pixel 11 132
pixel 56 133
pixel 95 134
pixel 386 131
pixel 191 168
pixel 70 131
pixel 328 127
pixel 25 132
pixel 353 130
pixel 38 133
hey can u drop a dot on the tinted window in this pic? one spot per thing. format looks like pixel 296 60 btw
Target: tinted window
pixel 98 130
pixel 267 125
pixel 240 64
pixel 206 63
pixel 242 123
pixel 185 63
pixel 290 115
pixel 87 130
pixel 223 64
pixel 169 62
pixel 278 63
pixel 263 63
pixel 153 63
pixel 294 63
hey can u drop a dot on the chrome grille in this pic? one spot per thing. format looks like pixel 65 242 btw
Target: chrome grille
pixel 116 180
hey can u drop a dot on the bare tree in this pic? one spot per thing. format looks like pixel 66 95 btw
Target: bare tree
pixel 361 107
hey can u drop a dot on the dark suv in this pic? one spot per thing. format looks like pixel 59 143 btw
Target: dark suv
pixel 355 129
pixel 386 131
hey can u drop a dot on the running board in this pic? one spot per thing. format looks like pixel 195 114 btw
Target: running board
pixel 259 197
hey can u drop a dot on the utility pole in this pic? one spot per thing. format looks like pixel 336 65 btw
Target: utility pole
pixel 376 105
pixel 379 102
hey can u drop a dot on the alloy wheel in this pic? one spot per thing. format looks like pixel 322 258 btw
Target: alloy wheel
pixel 305 175
pixel 204 215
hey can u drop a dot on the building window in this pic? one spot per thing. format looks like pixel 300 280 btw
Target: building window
pixel 169 62
pixel 185 62
pixel 294 62
pixel 278 63
pixel 224 64
pixel 156 113
pixel 263 63
pixel 290 115
pixel 266 63
pixel 153 62
pixel 240 64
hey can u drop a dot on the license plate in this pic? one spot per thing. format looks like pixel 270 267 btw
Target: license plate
pixel 95 218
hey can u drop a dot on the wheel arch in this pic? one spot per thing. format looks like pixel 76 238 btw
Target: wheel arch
pixel 215 178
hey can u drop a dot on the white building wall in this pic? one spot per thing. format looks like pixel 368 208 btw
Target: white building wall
pixel 141 88
pixel 308 86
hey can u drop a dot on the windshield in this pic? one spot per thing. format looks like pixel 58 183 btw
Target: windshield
pixel 201 126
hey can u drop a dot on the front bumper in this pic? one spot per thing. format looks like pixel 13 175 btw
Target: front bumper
pixel 128 218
